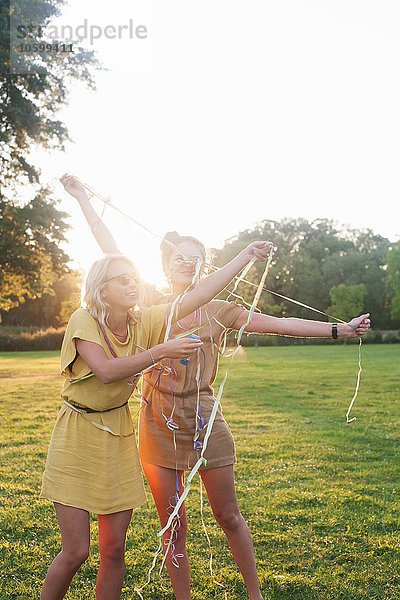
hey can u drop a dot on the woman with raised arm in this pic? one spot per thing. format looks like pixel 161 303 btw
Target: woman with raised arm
pixel 187 394
pixel 92 463
pixel 177 407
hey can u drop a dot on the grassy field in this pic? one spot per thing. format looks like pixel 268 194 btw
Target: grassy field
pixel 321 497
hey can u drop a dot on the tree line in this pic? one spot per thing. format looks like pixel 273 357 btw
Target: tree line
pixel 339 271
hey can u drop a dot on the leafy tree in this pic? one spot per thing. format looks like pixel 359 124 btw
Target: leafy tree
pixel 29 102
pixel 31 259
pixel 301 250
pixel 310 259
pixel 363 262
pixel 347 301
pixel 393 279
pixel 52 309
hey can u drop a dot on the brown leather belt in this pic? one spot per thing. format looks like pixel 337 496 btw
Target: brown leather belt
pixel 91 410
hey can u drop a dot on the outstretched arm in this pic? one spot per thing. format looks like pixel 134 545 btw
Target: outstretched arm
pixel 215 283
pixel 109 370
pixel 102 234
pixel 206 290
pixel 302 327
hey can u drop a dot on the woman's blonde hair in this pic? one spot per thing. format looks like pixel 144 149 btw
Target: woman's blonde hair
pixel 95 281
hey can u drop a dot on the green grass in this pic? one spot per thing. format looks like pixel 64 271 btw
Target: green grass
pixel 320 497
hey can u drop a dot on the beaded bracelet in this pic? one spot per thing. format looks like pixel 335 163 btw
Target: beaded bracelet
pixel 152 357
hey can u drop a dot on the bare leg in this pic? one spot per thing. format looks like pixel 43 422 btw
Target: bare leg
pixel 220 486
pixel 112 536
pixel 75 534
pixel 162 482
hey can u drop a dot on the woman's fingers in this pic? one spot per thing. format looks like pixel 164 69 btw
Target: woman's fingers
pixel 262 245
pixel 361 324
pixel 64 178
pixel 364 317
pixel 183 347
pixel 365 322
pixel 261 249
pixel 192 346
pixel 72 185
pixel 260 255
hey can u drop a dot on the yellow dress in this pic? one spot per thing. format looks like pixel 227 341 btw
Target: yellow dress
pixel 87 467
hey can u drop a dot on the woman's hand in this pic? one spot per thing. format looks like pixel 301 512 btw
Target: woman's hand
pixel 178 348
pixel 214 283
pixel 102 234
pixel 73 186
pixel 357 327
pixel 259 250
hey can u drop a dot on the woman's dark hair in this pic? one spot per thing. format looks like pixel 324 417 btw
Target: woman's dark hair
pixel 171 240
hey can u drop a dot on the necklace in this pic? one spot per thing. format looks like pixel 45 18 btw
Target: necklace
pixel 109 343
pixel 118 335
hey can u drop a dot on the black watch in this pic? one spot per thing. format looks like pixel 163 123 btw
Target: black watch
pixel 334 331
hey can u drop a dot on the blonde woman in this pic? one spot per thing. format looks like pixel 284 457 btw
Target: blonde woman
pixel 92 463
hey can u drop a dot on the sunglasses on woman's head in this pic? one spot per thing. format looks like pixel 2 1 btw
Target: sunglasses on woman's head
pixel 125 278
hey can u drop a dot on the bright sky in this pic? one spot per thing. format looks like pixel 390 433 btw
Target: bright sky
pixel 233 112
